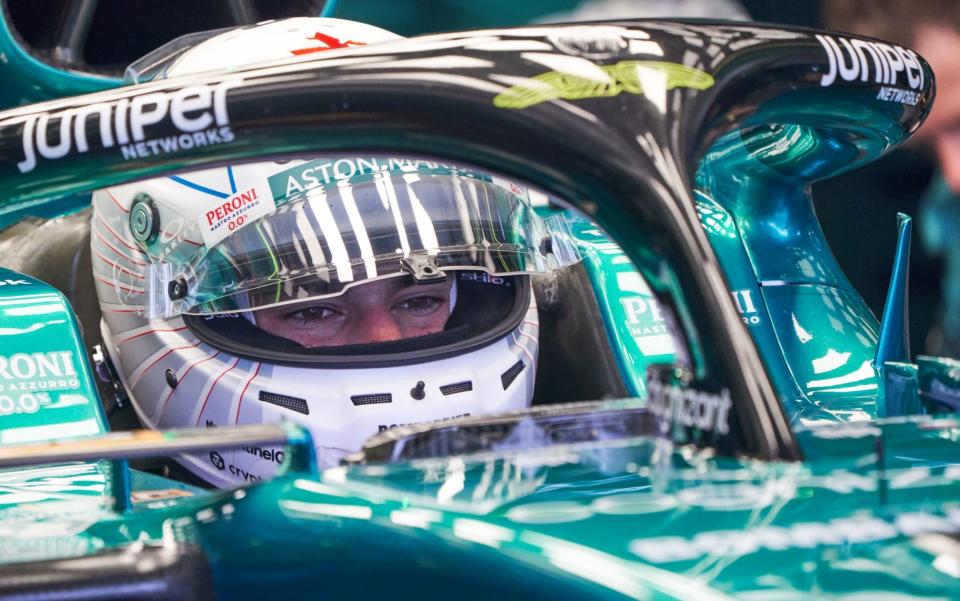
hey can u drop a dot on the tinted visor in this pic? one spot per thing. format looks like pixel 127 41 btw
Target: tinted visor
pixel 370 227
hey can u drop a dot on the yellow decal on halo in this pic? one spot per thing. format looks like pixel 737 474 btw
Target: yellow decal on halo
pixel 625 76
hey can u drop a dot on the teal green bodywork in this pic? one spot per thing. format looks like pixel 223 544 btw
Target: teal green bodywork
pixel 815 332
pixel 46 388
pixel 622 518
pixel 632 318
pixel 872 510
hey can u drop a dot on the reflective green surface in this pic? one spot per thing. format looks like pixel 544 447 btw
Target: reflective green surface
pixel 46 387
pixel 633 320
pixel 873 506
pixel 623 519
pixel 817 335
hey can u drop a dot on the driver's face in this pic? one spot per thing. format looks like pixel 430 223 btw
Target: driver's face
pixel 381 311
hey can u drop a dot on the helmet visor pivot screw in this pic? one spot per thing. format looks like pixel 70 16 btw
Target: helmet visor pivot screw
pixel 144 219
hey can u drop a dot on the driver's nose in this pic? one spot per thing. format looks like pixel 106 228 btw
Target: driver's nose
pixel 375 325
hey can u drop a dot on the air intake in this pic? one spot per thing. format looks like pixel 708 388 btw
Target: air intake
pixel 371 399
pixel 507 377
pixel 287 402
pixel 456 388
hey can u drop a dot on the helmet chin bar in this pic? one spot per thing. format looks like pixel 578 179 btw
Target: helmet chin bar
pixel 340 407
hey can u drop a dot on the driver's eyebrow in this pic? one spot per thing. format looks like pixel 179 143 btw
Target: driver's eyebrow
pixel 436 288
pixel 404 283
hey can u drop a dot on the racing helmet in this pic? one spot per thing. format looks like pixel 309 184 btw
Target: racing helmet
pixel 251 293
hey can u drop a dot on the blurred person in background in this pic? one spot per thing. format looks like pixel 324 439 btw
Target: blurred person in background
pixel 932 28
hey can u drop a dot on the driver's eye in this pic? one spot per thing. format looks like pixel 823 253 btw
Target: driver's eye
pixel 419 305
pixel 311 315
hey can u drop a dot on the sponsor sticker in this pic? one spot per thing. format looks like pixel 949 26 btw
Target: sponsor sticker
pixel 217 460
pixel 484 278
pixel 31 372
pixel 265 453
pixel 898 69
pixel 706 411
pixel 235 212
pixel 644 317
pixel 298 180
pixel 743 299
pixel 197 113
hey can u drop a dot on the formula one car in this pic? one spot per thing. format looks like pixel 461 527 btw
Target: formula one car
pixel 777 441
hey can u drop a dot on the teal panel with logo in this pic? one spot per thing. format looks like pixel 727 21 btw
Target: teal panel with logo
pixel 46 390
pixel 635 324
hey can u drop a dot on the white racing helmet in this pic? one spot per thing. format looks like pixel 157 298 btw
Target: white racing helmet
pixel 300 38
pixel 189 267
pixel 193 272
pixel 218 287
pixel 227 294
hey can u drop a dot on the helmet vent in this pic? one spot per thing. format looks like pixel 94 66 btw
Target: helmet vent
pixel 371 399
pixel 456 388
pixel 507 377
pixel 287 402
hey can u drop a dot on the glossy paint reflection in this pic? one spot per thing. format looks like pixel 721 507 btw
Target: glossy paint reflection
pixel 760 178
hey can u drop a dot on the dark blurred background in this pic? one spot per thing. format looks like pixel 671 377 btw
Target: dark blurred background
pixel 857 210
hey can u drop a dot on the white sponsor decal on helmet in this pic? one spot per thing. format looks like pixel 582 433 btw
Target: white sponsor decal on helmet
pixel 238 210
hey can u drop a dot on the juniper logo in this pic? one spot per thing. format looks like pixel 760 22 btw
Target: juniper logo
pixel 851 59
pixel 198 112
